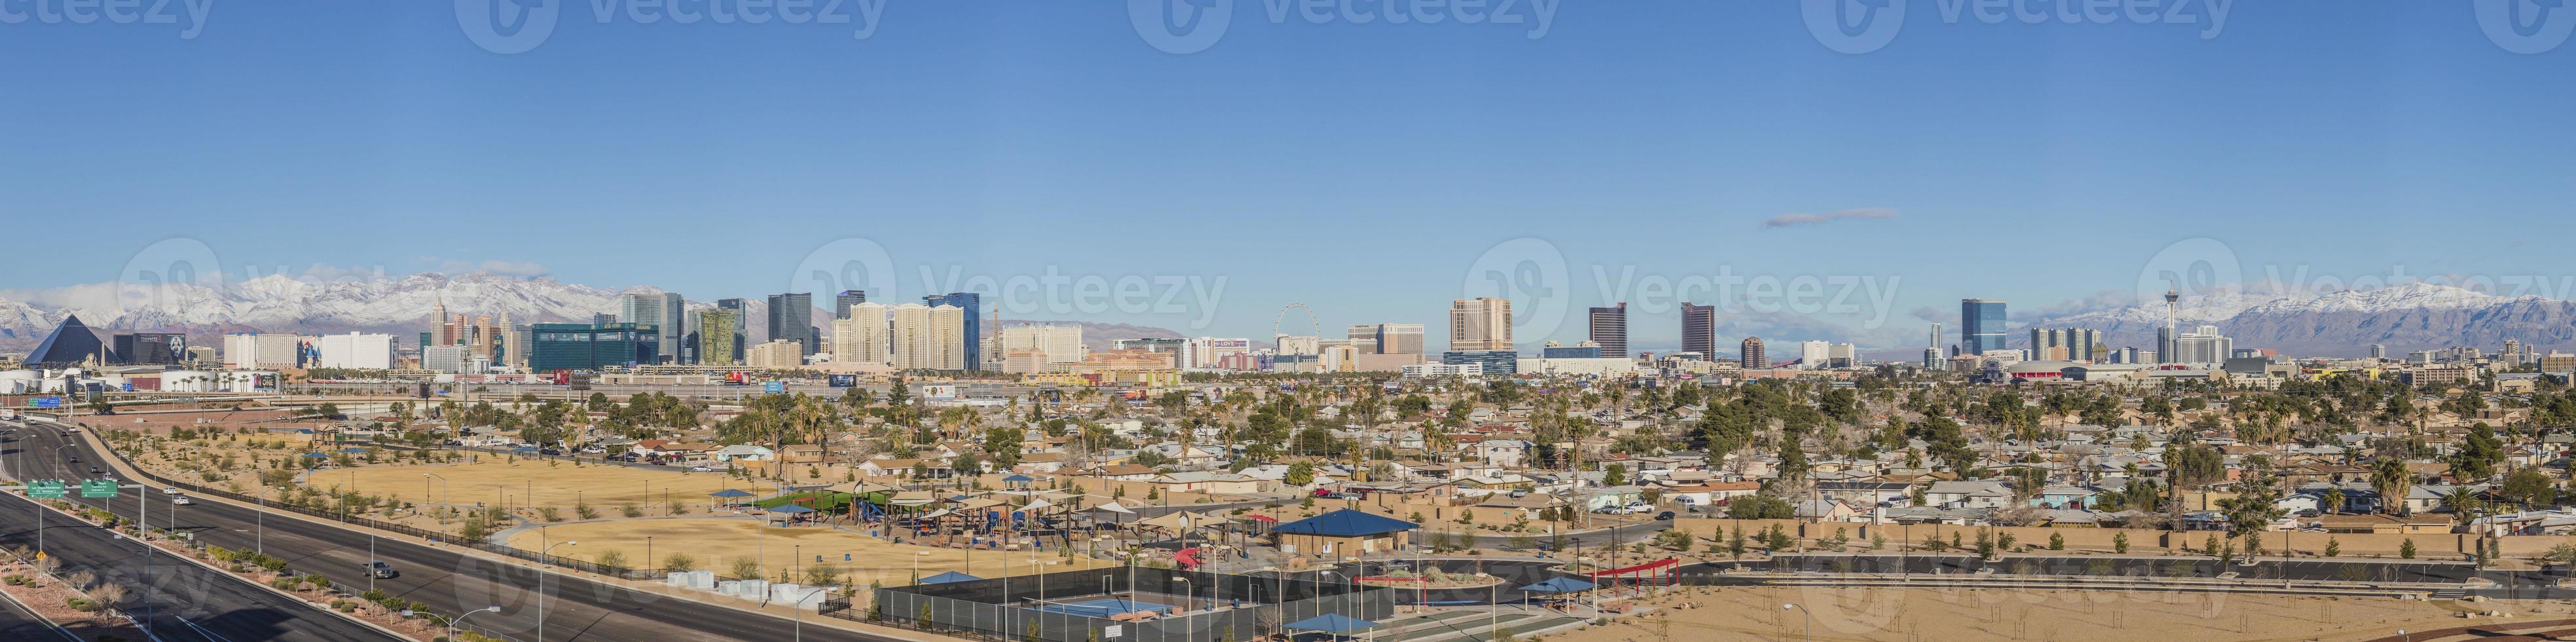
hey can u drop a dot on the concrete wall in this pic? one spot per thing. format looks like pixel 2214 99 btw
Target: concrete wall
pixel 2441 546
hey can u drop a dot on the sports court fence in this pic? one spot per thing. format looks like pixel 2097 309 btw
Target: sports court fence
pixel 1069 606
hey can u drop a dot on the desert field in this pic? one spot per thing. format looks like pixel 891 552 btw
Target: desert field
pixel 1931 614
pixel 558 484
pixel 717 543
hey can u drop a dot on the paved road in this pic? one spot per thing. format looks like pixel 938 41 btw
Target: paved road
pixel 17 623
pixel 449 582
pixel 185 601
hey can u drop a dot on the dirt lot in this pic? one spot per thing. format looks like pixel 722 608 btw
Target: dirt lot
pixel 1931 614
pixel 555 484
pixel 717 543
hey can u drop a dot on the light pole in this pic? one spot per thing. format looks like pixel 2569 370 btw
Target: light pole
pixel 259 541
pixel 541 589
pixel 460 619
pixel 1811 619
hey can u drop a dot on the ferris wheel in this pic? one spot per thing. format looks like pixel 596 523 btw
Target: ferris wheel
pixel 1278 325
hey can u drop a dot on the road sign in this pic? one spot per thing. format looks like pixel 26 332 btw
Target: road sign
pixel 45 402
pixel 774 387
pixel 98 488
pixel 45 489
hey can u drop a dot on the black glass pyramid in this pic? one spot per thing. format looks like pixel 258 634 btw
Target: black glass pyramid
pixel 71 344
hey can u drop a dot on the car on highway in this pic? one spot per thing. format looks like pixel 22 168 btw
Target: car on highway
pixel 95 471
pixel 1665 516
pixel 381 570
pixel 182 500
pixel 701 469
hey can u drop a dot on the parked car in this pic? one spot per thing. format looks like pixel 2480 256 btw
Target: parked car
pixel 1638 507
pixel 381 570
pixel 550 452
pixel 1665 516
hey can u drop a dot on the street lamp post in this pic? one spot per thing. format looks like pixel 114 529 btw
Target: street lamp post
pixel 460 619
pixel 1811 619
pixel 541 589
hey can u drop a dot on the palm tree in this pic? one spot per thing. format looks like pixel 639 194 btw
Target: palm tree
pixel 2334 501
pixel 2390 480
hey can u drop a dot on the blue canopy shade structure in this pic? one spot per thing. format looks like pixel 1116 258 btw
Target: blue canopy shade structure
pixel 316 456
pixel 790 509
pixel 1019 479
pixel 354 451
pixel 1345 523
pixel 523 451
pixel 951 576
pixel 1559 585
pixel 729 493
pixel 1330 623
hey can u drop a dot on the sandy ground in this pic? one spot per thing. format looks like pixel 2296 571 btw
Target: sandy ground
pixel 558 484
pixel 1931 614
pixel 715 544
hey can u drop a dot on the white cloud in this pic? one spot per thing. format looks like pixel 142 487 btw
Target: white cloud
pixel 1797 219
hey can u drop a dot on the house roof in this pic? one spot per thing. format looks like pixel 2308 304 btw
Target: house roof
pixel 1345 523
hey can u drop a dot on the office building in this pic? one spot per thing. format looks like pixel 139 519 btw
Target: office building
pixel 355 351
pixel 720 336
pixel 267 351
pixel 1477 325
pixel 841 302
pixel 1584 350
pixel 151 348
pixel 665 312
pixel 791 318
pixel 1981 325
pixel 1932 350
pixel 1814 355
pixel 1493 362
pixel 862 334
pixel 443 359
pixel 1610 330
pixel 2202 346
pixel 2379 351
pixel 1699 329
pixel 783 353
pixel 1842 355
pixel 595 319
pixel 1297 346
pixel 971 329
pixel 574 346
pixel 1057 343
pixel 950 333
pixel 741 324
pixel 1388 338
pixel 1754 355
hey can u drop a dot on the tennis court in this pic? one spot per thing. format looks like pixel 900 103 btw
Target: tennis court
pixel 1110 605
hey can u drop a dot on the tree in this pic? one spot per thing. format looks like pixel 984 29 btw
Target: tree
pixel 2406 549
pixel 1300 474
pixel 1760 507
pixel 2334 547
pixel 2528 487
pixel 2120 543
pixel 2388 478
pixel 1615 475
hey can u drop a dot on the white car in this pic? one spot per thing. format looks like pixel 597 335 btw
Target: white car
pixel 182 500
pixel 701 469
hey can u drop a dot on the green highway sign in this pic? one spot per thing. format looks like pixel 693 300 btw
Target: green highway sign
pixel 45 489
pixel 98 488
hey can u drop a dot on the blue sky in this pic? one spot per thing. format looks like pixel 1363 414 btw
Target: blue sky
pixel 1360 169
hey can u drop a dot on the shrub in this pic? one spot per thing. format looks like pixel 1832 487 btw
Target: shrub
pixel 630 511
pixel 746 568
pixel 585 511
pixel 550 514
pixel 613 560
pixel 680 563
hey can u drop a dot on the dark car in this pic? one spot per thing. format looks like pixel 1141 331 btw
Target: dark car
pixel 381 570
pixel 1665 516
pixel 94 470
pixel 550 452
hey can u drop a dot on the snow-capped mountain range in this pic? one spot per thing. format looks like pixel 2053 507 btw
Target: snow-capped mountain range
pixel 277 303
pixel 2413 316
pixel 395 305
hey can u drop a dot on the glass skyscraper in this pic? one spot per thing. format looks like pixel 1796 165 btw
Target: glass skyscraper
pixel 1981 325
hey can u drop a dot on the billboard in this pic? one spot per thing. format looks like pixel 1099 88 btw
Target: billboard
pixel 774 387
pixel 844 381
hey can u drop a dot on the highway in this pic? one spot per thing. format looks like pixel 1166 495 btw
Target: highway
pixel 450 582
pixel 187 601
pixel 16 623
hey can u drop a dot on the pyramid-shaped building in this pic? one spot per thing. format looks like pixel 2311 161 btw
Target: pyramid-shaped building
pixel 70 345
